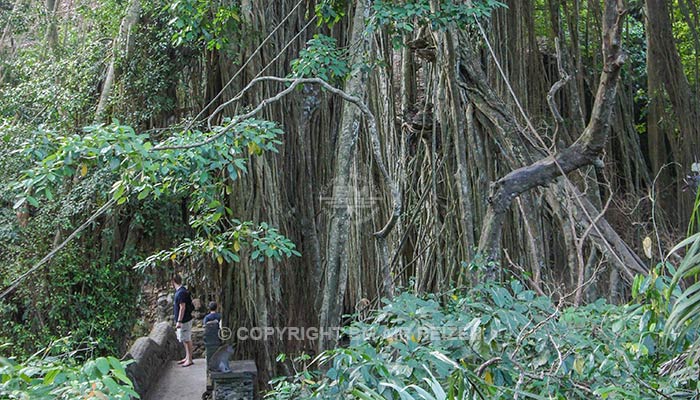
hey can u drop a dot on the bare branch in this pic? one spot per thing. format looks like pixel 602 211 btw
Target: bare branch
pixel 584 151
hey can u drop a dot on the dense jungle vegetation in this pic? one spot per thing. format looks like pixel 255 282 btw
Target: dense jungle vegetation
pixel 493 198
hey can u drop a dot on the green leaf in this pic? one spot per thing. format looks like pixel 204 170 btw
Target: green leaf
pixel 19 203
pixel 103 365
pixel 111 385
pixel 51 375
pixel 32 201
pixel 119 191
pixel 144 193
pixel 121 375
pixel 115 363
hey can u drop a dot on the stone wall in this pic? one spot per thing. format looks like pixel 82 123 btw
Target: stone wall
pixel 198 347
pixel 239 384
pixel 151 354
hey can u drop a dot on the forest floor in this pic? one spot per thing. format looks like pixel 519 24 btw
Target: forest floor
pixel 181 383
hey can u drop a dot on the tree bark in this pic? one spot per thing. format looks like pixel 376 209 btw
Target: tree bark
pixel 581 153
pixel 51 31
pixel 122 45
pixel 667 80
pixel 336 267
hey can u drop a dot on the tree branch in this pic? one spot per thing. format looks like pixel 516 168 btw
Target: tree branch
pixel 581 153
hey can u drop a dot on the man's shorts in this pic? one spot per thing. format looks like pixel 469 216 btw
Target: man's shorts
pixel 184 333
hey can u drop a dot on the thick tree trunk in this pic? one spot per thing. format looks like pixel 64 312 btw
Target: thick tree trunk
pixel 121 46
pixel 307 209
pixel 336 266
pixel 667 80
pixel 453 112
pixel 51 31
pixel 659 153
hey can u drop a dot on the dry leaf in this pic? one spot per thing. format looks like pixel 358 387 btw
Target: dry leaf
pixel 646 243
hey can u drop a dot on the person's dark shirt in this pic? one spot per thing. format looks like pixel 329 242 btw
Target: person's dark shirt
pixel 182 296
pixel 211 317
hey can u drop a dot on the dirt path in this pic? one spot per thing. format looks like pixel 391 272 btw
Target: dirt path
pixel 179 383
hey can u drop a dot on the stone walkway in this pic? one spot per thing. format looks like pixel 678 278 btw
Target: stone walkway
pixel 179 383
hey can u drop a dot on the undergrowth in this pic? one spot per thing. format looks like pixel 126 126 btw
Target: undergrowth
pixel 503 342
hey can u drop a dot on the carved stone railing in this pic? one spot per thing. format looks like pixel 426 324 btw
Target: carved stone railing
pixel 239 384
pixel 151 354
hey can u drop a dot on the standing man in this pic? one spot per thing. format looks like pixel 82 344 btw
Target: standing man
pixel 182 310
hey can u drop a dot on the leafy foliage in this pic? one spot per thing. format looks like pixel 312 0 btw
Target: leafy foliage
pixel 407 16
pixel 321 59
pixel 85 291
pixel 202 21
pixel 329 12
pixel 66 172
pixel 41 87
pixel 47 375
pixel 495 342
pixel 132 157
pixel 225 247
pixel 682 325
pixel 92 301
pixel 685 33
pixel 198 172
